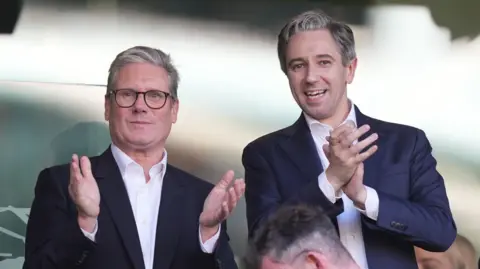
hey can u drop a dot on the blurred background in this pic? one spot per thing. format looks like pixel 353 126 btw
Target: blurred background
pixel 419 64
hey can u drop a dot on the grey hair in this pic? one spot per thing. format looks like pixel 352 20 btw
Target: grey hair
pixel 142 54
pixel 317 20
pixel 295 230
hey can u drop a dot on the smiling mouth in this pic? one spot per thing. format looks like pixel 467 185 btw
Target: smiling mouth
pixel 316 93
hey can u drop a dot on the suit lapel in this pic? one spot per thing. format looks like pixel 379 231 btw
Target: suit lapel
pixel 301 149
pixel 115 197
pixel 372 164
pixel 170 214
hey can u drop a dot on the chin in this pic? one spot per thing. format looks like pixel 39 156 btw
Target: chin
pixel 140 142
pixel 317 113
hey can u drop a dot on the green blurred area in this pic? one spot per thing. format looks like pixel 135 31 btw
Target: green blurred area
pixel 34 136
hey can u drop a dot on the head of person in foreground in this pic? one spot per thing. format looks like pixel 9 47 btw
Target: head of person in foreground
pixel 298 237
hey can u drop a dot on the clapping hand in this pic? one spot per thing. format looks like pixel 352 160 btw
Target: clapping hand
pixel 84 192
pixel 355 189
pixel 344 156
pixel 220 203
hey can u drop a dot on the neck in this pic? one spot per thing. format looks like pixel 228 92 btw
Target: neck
pixel 145 157
pixel 340 114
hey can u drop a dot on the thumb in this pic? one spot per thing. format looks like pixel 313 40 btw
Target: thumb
pixel 226 180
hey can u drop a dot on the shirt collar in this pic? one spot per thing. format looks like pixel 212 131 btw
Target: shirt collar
pixel 123 161
pixel 316 126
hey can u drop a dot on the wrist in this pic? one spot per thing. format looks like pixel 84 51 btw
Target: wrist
pixel 87 223
pixel 334 181
pixel 208 232
pixel 360 198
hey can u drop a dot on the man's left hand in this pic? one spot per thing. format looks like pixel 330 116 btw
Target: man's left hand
pixel 355 190
pixel 220 203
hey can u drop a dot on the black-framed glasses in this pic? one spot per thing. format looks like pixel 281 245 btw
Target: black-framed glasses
pixel 126 98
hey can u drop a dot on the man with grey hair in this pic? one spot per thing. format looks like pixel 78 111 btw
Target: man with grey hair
pixel 377 180
pixel 298 236
pixel 128 208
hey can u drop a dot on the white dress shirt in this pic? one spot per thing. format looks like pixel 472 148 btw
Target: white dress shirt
pixel 349 222
pixel 145 198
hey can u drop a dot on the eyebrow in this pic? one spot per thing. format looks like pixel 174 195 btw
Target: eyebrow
pixel 132 89
pixel 318 56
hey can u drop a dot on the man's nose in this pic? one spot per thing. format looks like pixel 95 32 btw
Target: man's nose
pixel 140 105
pixel 313 74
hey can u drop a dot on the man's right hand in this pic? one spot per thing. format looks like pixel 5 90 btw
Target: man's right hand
pixel 84 192
pixel 344 157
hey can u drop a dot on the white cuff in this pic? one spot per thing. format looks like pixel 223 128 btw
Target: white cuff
pixel 209 245
pixel 328 189
pixel 91 235
pixel 372 204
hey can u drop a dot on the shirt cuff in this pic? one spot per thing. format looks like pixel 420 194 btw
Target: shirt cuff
pixel 91 235
pixel 328 189
pixel 209 245
pixel 372 204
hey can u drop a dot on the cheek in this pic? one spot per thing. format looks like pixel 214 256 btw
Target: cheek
pixel 342 76
pixel 329 76
pixel 118 117
pixel 163 116
pixel 295 82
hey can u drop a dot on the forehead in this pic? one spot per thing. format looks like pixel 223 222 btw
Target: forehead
pixel 312 43
pixel 142 76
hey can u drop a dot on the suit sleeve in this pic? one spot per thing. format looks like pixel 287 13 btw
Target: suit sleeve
pixel 262 195
pixel 223 254
pixel 53 237
pixel 425 219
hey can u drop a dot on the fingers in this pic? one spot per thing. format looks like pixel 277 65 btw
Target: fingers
pixel 365 155
pixel 75 168
pixel 225 211
pixel 235 192
pixel 239 187
pixel 364 143
pixel 346 139
pixel 335 135
pixel 86 168
pixel 226 180
pixel 356 134
pixel 232 199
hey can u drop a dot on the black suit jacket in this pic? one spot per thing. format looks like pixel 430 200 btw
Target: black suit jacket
pixel 54 239
pixel 283 168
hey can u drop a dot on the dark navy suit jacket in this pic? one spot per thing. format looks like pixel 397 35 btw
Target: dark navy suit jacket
pixel 54 239
pixel 283 167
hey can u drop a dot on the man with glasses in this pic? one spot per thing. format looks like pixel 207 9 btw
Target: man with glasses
pixel 128 208
pixel 298 236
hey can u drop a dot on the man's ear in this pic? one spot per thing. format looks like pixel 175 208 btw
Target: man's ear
pixel 107 105
pixel 351 70
pixel 174 110
pixel 316 260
